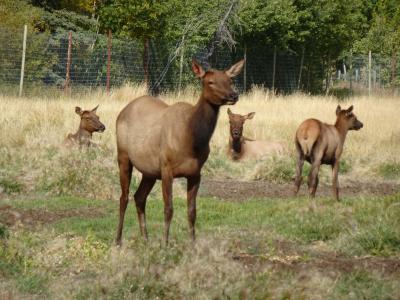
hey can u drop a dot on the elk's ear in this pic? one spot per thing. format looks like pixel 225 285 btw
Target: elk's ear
pixel 338 110
pixel 78 110
pixel 250 115
pixel 197 69
pixel 350 109
pixel 94 109
pixel 229 111
pixel 235 69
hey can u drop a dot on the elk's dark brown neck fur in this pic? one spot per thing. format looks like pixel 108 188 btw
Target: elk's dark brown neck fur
pixel 203 123
pixel 235 146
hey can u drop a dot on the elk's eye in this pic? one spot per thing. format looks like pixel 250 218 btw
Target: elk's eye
pixel 210 82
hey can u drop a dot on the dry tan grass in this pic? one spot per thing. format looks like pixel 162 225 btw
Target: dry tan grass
pixel 30 126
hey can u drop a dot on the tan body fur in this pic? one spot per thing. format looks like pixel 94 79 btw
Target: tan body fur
pixel 321 143
pixel 168 141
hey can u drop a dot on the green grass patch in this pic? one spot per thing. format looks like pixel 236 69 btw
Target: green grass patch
pixel 389 170
pixel 363 285
pixel 11 185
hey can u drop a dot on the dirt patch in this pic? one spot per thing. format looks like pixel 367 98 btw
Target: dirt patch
pixel 242 190
pixel 10 215
pixel 288 255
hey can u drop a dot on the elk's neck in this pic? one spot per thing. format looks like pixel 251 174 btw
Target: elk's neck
pixel 342 130
pixel 203 123
pixel 83 133
pixel 235 145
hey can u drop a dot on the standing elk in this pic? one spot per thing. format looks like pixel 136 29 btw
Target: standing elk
pixel 90 123
pixel 241 148
pixel 168 141
pixel 321 143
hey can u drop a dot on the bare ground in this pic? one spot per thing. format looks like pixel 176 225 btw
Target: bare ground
pixel 242 190
pixel 11 216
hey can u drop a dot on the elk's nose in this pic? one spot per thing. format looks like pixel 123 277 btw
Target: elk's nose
pixel 102 128
pixel 235 132
pixel 234 96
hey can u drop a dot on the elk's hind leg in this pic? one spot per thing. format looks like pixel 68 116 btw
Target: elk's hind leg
pixel 299 168
pixel 167 178
pixel 125 175
pixel 145 187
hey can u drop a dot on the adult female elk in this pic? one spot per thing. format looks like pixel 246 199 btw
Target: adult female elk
pixel 165 142
pixel 90 123
pixel 320 143
pixel 241 147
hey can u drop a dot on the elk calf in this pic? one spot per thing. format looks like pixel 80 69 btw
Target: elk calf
pixel 90 123
pixel 321 143
pixel 241 148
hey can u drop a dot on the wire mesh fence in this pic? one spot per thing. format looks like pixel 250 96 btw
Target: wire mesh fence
pixel 96 59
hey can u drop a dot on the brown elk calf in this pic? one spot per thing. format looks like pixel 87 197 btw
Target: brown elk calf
pixel 90 123
pixel 241 148
pixel 321 143
pixel 168 141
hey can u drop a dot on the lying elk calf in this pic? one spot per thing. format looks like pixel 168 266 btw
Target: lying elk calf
pixel 240 147
pixel 89 123
pixel 169 141
pixel 321 143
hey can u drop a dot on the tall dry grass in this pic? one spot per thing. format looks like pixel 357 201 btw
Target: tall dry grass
pixel 33 129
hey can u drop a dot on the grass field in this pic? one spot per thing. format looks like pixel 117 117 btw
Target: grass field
pixel 58 210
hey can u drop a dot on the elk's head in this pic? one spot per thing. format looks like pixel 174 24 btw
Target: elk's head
pixel 236 123
pixel 90 120
pixel 348 118
pixel 218 88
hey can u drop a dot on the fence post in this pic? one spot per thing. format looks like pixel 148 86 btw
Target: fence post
pixel 273 71
pixel 181 65
pixel 68 62
pixel 301 68
pixel 108 62
pixel 245 69
pixel 21 82
pixel 369 72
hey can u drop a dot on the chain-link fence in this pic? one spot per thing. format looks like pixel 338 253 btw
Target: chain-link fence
pixel 86 61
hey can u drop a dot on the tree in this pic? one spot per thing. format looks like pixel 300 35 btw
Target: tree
pixel 137 19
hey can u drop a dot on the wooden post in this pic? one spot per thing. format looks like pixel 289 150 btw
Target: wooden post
pixel 181 65
pixel 273 71
pixel 369 72
pixel 108 62
pixel 245 70
pixel 67 76
pixel 301 68
pixel 21 81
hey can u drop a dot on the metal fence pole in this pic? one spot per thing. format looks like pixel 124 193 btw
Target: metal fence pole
pixel 245 69
pixel 181 65
pixel 301 68
pixel 273 71
pixel 369 72
pixel 108 62
pixel 67 76
pixel 21 82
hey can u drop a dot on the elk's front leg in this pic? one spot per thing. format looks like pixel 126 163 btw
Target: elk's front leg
pixel 193 184
pixel 167 179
